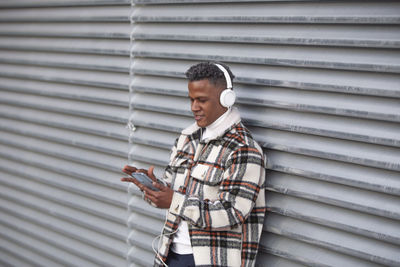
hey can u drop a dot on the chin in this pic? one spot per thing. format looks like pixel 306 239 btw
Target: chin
pixel 201 124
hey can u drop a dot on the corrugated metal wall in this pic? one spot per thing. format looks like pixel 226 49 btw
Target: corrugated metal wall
pixel 64 79
pixel 319 86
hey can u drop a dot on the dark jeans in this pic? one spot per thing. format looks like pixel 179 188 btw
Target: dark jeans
pixel 178 260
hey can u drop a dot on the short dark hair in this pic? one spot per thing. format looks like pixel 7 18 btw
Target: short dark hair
pixel 209 71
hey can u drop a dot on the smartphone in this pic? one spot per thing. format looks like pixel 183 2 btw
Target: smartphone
pixel 146 180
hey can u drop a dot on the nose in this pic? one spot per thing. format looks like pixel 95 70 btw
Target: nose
pixel 195 106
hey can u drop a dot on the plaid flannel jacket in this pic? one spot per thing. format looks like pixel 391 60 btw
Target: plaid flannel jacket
pixel 219 191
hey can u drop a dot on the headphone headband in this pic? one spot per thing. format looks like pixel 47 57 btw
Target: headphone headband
pixel 226 74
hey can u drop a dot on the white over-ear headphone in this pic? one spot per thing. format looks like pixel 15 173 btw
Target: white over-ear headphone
pixel 228 96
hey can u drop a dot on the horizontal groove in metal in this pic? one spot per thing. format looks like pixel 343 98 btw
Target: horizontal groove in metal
pixel 41 4
pixel 139 152
pixel 326 12
pixel 73 250
pixel 150 2
pixel 101 30
pixel 19 244
pixel 69 76
pixel 59 60
pixel 140 257
pixel 62 136
pixel 334 149
pixel 306 253
pixel 273 260
pixel 288 56
pixel 383 229
pixel 353 245
pixel 67 14
pixel 61 121
pixel 162 103
pixel 158 139
pixel 69 199
pixel 364 177
pixel 360 36
pixel 51 149
pixel 159 85
pixel 350 106
pixel 89 220
pixel 110 246
pixel 113 47
pixel 79 108
pixel 142 240
pixel 145 224
pixel 328 126
pixel 160 121
pixel 374 203
pixel 359 83
pixel 65 91
pixel 108 193
pixel 23 257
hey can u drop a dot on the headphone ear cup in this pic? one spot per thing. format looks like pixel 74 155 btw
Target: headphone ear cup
pixel 227 98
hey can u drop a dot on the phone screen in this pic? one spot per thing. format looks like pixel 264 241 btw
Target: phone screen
pixel 144 179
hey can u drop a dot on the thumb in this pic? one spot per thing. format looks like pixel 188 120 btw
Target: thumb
pixel 150 173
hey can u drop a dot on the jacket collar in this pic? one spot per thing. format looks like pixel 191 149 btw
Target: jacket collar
pixel 231 119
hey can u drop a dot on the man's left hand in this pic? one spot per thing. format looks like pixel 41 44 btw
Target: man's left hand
pixel 162 199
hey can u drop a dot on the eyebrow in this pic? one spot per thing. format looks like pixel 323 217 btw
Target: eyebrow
pixel 199 97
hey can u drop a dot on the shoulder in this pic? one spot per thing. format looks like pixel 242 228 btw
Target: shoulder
pixel 240 136
pixel 240 140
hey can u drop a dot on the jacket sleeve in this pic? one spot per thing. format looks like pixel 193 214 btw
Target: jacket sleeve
pixel 243 178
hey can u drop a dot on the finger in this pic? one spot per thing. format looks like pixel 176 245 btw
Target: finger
pixel 126 179
pixel 142 171
pixel 150 198
pixel 150 173
pixel 133 180
pixel 129 169
pixel 149 192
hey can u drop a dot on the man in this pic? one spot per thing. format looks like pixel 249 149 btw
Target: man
pixel 215 196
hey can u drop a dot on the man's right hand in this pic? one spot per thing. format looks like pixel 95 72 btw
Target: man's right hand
pixel 162 198
pixel 129 170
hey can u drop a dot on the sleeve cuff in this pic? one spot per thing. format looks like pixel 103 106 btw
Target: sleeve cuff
pixel 177 202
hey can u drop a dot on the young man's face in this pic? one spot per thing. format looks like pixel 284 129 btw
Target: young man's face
pixel 204 98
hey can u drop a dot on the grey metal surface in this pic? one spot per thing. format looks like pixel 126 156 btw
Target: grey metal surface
pixel 64 79
pixel 318 84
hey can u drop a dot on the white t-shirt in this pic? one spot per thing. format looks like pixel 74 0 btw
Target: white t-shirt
pixel 181 242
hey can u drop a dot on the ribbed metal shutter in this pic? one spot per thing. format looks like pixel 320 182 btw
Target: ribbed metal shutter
pixel 64 79
pixel 318 84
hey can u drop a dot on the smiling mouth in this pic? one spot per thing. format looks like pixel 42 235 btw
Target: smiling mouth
pixel 198 117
